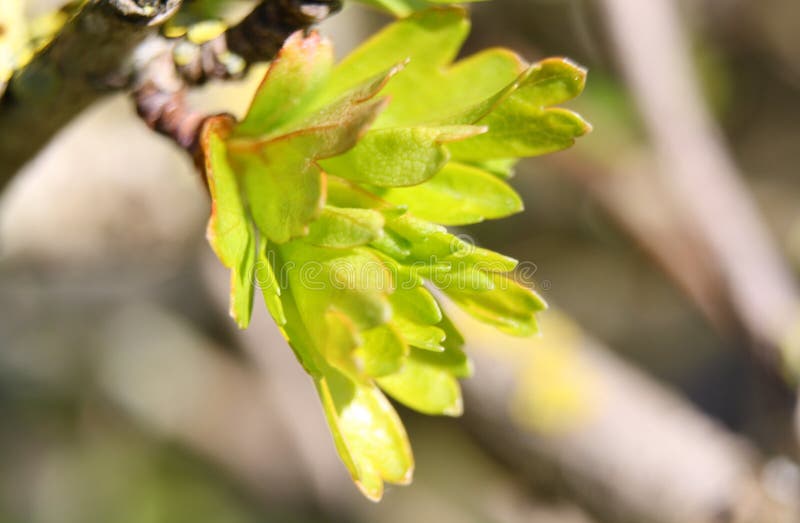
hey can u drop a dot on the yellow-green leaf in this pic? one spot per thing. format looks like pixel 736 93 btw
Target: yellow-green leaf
pixel 459 194
pixel 229 230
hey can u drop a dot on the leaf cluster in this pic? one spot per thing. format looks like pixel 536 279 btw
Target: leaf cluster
pixel 331 196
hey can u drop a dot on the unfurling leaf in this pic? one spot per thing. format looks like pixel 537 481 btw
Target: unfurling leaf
pixel 333 193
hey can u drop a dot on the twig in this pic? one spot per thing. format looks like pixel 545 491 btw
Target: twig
pixel 257 38
pixel 86 61
pixel 160 84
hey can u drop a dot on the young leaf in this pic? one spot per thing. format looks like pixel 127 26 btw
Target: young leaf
pixel 507 305
pixel 346 227
pixel 367 431
pixel 269 284
pixel 399 156
pixel 293 78
pixel 519 120
pixel 284 185
pixel 459 194
pixel 352 281
pixel 424 386
pixel 348 197
pixel 428 89
pixel 383 350
pixel 229 230
pixel 285 190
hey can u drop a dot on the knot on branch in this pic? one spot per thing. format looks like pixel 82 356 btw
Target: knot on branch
pixel 145 12
pixel 261 34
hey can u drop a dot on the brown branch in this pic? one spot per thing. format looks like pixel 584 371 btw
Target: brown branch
pixel 86 60
pixel 257 38
pixel 159 93
pixel 76 69
pixel 160 84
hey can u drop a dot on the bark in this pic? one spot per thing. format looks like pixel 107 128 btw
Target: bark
pixel 78 67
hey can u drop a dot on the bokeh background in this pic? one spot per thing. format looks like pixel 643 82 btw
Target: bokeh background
pixel 661 389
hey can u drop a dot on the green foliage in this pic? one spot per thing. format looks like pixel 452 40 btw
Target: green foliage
pixel 331 195
pixel 406 7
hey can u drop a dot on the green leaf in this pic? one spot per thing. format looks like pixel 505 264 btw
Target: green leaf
pixel 429 88
pixel 367 432
pixel 283 183
pixel 269 284
pixel 281 178
pixel 339 341
pixel 347 198
pixel 352 281
pixel 284 189
pixel 301 67
pixel 454 359
pixel 415 302
pixel 424 386
pixel 346 227
pixel 458 195
pixel 229 230
pixel 399 156
pixel 426 337
pixel 383 351
pixel 501 167
pixel 519 120
pixel 429 246
pixel 416 313
pixel 507 305
pixel 403 8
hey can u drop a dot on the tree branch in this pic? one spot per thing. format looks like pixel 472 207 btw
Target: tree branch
pixel 160 84
pixel 76 69
pixel 62 81
pixel 257 38
pixel 697 169
pixel 633 452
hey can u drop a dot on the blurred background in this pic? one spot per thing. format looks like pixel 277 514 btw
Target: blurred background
pixel 667 243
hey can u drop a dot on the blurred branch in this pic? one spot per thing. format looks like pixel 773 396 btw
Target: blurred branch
pixel 198 396
pixel 72 72
pixel 637 453
pixel 635 201
pixel 697 170
pixel 86 60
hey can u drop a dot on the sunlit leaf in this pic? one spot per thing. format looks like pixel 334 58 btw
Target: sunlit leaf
pixel 345 176
pixel 340 227
pixel 367 432
pixel 508 306
pixel 459 194
pixel 269 284
pixel 424 386
pixel 399 156
pixel 230 231
pixel 301 67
